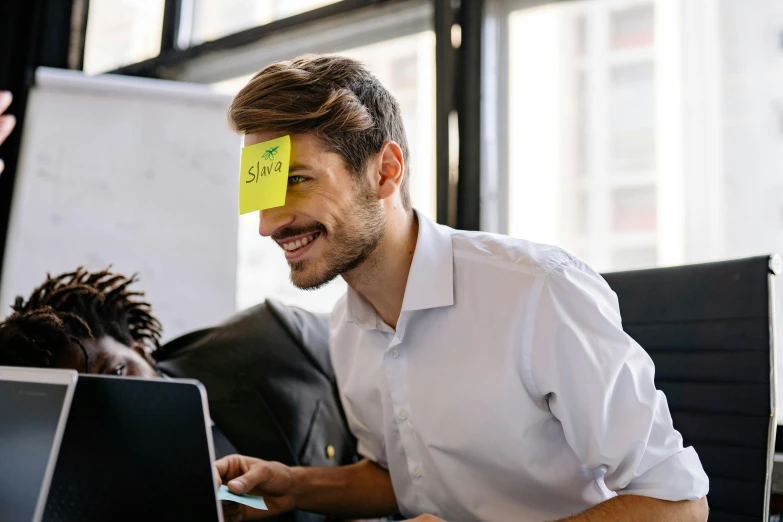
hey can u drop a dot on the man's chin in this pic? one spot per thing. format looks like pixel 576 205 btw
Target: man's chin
pixel 305 279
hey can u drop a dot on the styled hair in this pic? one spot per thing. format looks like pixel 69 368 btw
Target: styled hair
pixel 333 97
pixel 75 306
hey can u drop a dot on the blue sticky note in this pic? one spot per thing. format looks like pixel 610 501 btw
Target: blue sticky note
pixel 248 500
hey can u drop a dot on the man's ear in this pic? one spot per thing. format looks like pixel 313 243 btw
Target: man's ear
pixel 391 170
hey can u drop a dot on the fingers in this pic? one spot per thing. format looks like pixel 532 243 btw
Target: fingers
pixel 233 466
pixel 230 467
pixel 241 474
pixel 255 477
pixel 231 512
pixel 7 122
pixel 5 100
pixel 221 466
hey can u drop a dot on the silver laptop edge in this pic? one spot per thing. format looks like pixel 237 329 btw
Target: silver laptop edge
pixel 67 378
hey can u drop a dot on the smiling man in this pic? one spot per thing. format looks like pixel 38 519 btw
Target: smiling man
pixel 485 377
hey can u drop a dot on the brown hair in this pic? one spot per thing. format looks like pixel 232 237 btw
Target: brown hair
pixel 333 97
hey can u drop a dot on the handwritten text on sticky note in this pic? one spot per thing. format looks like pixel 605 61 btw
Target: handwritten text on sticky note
pixel 263 176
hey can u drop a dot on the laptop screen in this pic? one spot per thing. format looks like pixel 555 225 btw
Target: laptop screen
pixel 29 414
pixel 134 450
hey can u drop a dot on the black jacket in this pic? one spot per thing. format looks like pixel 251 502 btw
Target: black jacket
pixel 271 388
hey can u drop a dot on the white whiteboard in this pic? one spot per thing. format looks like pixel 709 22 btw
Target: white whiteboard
pixel 135 173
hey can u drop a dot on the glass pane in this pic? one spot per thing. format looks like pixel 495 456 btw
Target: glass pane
pixel 632 27
pixel 122 32
pixel 632 113
pixel 406 66
pixel 215 18
pixel 633 210
pixel 583 130
pixel 580 123
pixel 634 258
pixel 539 143
pixel 582 217
pixel 580 35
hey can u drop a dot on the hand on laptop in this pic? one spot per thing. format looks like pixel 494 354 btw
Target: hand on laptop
pixel 7 121
pixel 247 475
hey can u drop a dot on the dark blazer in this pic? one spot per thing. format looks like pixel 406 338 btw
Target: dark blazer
pixel 271 388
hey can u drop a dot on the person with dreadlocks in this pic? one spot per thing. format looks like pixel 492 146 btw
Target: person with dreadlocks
pixel 270 385
pixel 87 321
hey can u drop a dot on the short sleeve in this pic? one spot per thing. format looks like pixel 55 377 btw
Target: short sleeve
pixel 599 383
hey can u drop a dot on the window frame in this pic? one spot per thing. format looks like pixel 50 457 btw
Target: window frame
pixel 458 73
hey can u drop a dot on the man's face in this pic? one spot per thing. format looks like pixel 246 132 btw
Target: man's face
pixel 106 356
pixel 331 221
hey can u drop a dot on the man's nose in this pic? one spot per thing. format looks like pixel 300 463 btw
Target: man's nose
pixel 273 219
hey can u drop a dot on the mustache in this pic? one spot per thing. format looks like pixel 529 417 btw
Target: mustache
pixel 298 231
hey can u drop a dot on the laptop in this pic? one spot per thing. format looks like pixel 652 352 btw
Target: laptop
pixel 34 407
pixel 135 449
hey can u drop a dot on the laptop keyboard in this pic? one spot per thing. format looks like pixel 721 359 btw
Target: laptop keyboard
pixel 62 505
pixel 68 503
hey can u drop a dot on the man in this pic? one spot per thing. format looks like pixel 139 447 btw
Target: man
pixel 269 381
pixel 485 377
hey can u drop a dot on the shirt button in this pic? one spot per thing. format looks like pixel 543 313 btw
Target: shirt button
pixel 395 353
pixel 418 472
pixel 404 414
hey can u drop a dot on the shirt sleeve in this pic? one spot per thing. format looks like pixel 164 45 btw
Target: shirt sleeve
pixel 598 382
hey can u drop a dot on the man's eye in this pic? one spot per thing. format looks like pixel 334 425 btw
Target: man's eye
pixel 118 370
pixel 293 180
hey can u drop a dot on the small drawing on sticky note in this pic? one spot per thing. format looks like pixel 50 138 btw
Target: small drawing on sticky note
pixel 263 177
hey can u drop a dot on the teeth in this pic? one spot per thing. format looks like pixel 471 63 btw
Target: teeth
pixel 299 243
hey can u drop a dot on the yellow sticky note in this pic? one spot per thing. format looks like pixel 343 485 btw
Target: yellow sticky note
pixel 263 177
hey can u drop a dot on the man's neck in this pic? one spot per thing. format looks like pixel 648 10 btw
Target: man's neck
pixel 382 278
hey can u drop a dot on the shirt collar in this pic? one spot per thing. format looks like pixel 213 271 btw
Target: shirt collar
pixel 430 280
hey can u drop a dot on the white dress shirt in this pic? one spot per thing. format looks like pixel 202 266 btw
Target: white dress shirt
pixel 508 390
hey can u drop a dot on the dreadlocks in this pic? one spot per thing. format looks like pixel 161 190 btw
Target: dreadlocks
pixel 73 306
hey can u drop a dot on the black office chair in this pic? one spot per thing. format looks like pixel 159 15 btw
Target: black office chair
pixel 708 328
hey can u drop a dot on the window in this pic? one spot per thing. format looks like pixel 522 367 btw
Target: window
pixel 646 132
pixel 213 19
pixel 632 26
pixel 122 32
pixel 406 66
pixel 631 99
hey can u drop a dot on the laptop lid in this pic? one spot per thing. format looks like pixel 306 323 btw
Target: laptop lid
pixel 33 411
pixel 135 449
